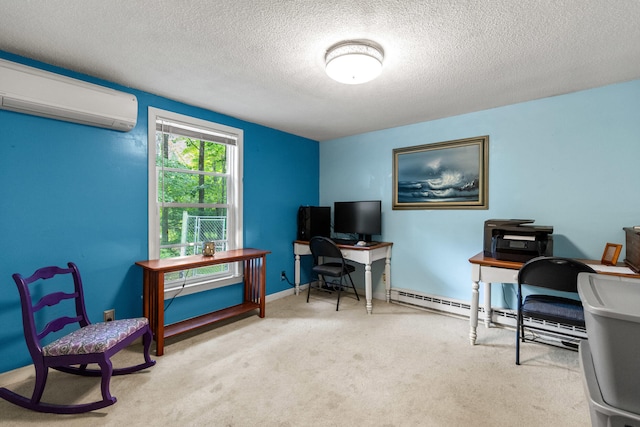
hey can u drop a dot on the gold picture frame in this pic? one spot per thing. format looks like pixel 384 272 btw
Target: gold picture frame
pixel 445 175
pixel 611 254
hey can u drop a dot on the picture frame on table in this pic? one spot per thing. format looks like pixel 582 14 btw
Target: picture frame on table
pixel 611 254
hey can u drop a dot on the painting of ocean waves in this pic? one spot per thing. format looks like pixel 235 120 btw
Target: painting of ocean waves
pixel 450 186
pixel 450 174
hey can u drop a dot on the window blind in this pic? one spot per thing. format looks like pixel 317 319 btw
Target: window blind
pixel 201 133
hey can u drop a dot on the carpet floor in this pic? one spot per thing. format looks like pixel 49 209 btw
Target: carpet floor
pixel 308 365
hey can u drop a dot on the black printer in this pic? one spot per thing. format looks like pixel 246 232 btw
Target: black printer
pixel 515 240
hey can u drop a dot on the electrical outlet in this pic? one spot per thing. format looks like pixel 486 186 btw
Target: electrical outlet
pixel 109 315
pixel 283 275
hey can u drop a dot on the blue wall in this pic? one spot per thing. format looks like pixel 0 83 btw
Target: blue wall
pixel 77 193
pixel 569 161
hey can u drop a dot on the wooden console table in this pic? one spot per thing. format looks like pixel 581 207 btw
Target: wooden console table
pixel 153 290
pixel 490 270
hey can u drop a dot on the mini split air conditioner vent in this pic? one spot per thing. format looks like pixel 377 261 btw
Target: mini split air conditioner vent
pixel 32 91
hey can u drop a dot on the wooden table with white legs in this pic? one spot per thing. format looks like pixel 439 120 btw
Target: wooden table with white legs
pixel 490 270
pixel 365 255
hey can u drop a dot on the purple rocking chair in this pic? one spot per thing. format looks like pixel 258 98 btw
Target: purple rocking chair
pixel 90 344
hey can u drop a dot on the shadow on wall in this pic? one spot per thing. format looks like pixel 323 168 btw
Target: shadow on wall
pixel 563 247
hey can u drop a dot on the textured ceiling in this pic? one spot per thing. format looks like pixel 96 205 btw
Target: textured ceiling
pixel 262 60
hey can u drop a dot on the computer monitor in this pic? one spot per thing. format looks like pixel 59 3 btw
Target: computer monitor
pixel 363 218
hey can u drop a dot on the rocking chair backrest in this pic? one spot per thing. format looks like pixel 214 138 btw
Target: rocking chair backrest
pixel 32 335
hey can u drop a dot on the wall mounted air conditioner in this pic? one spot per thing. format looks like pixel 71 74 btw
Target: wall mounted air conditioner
pixel 32 91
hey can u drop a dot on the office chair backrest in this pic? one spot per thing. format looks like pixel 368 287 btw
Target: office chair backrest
pixel 556 273
pixel 324 247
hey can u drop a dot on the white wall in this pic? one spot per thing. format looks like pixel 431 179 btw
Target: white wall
pixel 569 161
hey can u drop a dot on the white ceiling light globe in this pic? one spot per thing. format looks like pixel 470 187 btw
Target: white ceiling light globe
pixel 354 62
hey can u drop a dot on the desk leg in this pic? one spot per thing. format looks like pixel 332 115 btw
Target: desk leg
pixel 296 274
pixel 487 305
pixel 367 288
pixel 387 275
pixel 473 316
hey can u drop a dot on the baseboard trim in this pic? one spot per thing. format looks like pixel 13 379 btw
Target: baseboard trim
pixel 499 316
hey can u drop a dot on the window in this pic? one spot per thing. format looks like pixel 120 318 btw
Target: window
pixel 195 196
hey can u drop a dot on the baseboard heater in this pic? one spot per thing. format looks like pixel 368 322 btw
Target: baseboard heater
pixel 499 316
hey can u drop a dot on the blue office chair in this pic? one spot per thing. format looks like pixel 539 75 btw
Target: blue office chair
pixel 323 248
pixel 550 273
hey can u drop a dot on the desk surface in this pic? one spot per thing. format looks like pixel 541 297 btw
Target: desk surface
pixel 377 245
pixel 480 259
pixel 619 269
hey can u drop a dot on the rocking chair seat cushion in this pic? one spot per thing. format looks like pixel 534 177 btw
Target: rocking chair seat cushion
pixel 94 338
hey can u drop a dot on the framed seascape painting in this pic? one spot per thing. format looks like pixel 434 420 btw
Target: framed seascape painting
pixel 444 175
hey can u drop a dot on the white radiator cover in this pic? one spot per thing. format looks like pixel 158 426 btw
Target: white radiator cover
pixel 499 316
pixel 37 92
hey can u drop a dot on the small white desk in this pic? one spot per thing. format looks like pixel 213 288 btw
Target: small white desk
pixel 361 255
pixel 487 270
pixel 490 270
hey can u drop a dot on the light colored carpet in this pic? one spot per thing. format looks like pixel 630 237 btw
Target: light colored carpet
pixel 308 365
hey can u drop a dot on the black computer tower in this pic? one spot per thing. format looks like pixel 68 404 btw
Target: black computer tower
pixel 314 221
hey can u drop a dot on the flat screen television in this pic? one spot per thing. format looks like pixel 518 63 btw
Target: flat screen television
pixel 363 218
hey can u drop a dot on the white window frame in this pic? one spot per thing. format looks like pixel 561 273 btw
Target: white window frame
pixel 234 213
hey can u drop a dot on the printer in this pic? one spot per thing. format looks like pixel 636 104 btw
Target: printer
pixel 516 239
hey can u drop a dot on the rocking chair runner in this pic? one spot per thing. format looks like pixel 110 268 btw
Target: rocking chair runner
pixel 92 343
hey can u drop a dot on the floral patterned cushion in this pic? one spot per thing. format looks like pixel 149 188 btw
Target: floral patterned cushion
pixel 94 338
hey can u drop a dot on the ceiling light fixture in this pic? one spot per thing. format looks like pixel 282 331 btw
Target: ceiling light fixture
pixel 354 62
